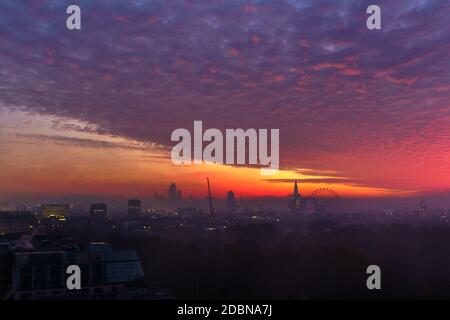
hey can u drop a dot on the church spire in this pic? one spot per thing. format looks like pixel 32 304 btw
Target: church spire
pixel 295 189
pixel 295 203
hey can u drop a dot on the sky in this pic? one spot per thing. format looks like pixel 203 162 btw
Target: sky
pixel 363 112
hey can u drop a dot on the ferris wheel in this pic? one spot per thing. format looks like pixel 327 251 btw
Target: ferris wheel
pixel 324 200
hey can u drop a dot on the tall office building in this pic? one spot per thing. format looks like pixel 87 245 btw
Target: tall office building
pixel 134 207
pixel 174 195
pixel 231 202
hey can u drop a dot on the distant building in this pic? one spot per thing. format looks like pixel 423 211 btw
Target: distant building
pixel 98 210
pixel 295 205
pixel 421 209
pixel 16 222
pixel 58 211
pixel 4 206
pixel 231 203
pixel 134 207
pixel 174 195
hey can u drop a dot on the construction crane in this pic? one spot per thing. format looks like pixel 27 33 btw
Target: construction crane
pixel 211 207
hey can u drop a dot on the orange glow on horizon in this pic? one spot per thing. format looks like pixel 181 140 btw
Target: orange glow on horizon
pixel 93 164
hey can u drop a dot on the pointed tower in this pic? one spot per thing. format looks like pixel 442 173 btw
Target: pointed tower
pixel 295 201
pixel 295 190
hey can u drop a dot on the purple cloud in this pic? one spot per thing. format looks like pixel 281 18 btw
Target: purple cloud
pixel 343 96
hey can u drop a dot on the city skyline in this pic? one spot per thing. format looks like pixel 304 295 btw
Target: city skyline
pixel 89 113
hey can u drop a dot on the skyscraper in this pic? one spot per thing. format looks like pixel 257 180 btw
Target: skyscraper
pixel 174 195
pixel 134 207
pixel 231 203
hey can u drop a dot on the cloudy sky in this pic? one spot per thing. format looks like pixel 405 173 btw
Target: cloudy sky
pixel 365 112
